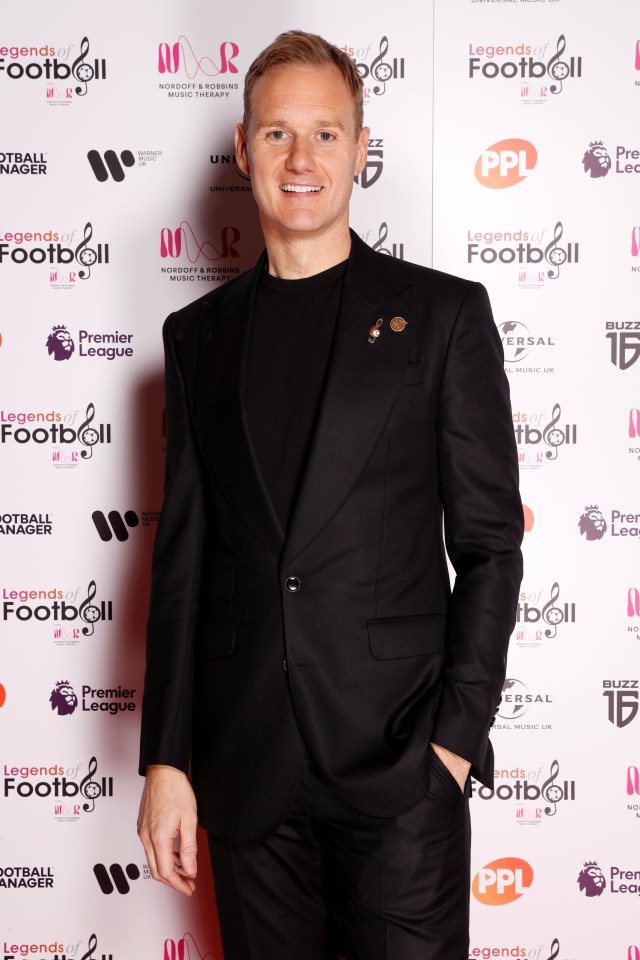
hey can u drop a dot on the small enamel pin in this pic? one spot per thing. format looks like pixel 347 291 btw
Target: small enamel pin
pixel 374 332
pixel 398 324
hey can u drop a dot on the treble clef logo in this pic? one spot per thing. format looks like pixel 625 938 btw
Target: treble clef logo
pixel 380 69
pixel 93 945
pixel 382 236
pixel 82 71
pixel 85 254
pixel 87 436
pixel 557 68
pixel 555 254
pixel 90 788
pixel 88 612
pixel 553 437
pixel 551 791
pixel 551 614
pixel 555 949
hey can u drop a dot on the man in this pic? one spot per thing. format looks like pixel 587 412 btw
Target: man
pixel 324 410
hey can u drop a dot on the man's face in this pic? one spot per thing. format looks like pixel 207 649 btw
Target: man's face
pixel 301 150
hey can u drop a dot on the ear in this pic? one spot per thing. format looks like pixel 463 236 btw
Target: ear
pixel 242 155
pixel 363 146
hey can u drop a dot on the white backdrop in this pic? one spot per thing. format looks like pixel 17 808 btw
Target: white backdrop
pixel 120 202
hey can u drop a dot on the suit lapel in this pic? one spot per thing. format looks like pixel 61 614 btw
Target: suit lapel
pixel 360 386
pixel 220 414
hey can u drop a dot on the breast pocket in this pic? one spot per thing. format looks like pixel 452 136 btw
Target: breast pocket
pixel 413 374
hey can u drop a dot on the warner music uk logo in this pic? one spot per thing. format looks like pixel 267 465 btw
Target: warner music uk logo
pixel 67 444
pixel 111 166
pixel 108 345
pixel 115 877
pixel 536 794
pixel 182 244
pixel 536 255
pixel 58 783
pixel 71 78
pixel 506 163
pixel 624 342
pixel 533 435
pixel 372 170
pixel 538 73
pixel 116 524
pixel 194 71
pixel 622 701
pixel 502 881
pixel 66 264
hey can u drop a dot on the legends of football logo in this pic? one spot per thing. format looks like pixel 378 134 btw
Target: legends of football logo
pixel 525 63
pixel 64 79
pixel 56 254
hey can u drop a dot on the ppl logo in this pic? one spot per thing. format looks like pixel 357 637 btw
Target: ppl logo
pixel 591 880
pixel 185 948
pixel 181 55
pixel 596 161
pixel 3 695
pixel 633 602
pixel 63 698
pixel 182 240
pixel 529 518
pixel 502 881
pixel 505 163
pixel 592 524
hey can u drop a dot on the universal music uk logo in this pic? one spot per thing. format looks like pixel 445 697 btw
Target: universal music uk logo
pixel 180 59
pixel 30 62
pixel 516 701
pixel 372 170
pixel 622 701
pixel 525 64
pixel 182 243
pixel 56 254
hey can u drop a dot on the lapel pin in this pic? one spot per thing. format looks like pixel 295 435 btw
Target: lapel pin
pixel 398 324
pixel 374 332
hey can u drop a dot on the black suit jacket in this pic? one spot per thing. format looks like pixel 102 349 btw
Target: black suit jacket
pixel 380 656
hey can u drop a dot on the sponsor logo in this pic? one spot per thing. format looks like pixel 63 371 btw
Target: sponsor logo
pixel 47 63
pixel 114 523
pixel 54 950
pixel 517 343
pixel 110 164
pixel 110 700
pixel 186 948
pixel 529 518
pixel 372 170
pixel 635 241
pixel 115 877
pixel 63 698
pixel 62 609
pixel 26 524
pixel 528 249
pixel 56 253
pixel 622 701
pixel 377 74
pixel 179 59
pixel 593 526
pixel 3 695
pixel 530 433
pixel 624 337
pixel 591 880
pixel 597 161
pixel 634 432
pixel 27 163
pixel 593 883
pixel 633 602
pixel 59 431
pixel 220 159
pixel 502 881
pixel 534 800
pixel 525 61
pixel 488 952
pixel 107 345
pixel 22 878
pixel 531 612
pixel 505 163
pixel 182 243
pixel 58 783
pixel 633 790
pixel 516 701
pixel 377 240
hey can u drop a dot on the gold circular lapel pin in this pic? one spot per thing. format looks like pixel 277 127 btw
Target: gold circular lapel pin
pixel 397 324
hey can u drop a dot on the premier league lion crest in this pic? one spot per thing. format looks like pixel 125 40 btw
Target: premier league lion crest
pixel 596 161
pixel 60 343
pixel 63 698
pixel 592 524
pixel 591 879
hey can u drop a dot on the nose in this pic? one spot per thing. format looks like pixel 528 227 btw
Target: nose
pixel 300 156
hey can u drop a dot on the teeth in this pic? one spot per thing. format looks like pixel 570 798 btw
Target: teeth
pixel 296 188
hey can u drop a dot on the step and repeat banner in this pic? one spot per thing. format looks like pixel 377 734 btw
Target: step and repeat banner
pixel 505 148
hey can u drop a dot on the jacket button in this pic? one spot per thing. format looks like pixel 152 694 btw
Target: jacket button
pixel 292 584
pixel 284 664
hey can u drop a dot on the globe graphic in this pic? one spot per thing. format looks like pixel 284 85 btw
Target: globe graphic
pixel 514 340
pixel 513 699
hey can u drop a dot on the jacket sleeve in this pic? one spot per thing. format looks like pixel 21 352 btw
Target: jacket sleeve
pixel 483 526
pixel 175 574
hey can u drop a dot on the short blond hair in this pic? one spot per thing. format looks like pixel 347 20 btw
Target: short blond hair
pixel 309 49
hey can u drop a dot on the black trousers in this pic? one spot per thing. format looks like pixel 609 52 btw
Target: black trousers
pixel 332 882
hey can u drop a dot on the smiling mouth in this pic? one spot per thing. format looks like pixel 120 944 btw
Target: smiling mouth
pixel 298 188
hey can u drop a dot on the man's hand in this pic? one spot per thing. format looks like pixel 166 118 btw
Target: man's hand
pixel 457 766
pixel 168 810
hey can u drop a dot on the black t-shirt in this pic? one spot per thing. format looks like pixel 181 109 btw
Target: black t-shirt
pixel 291 336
